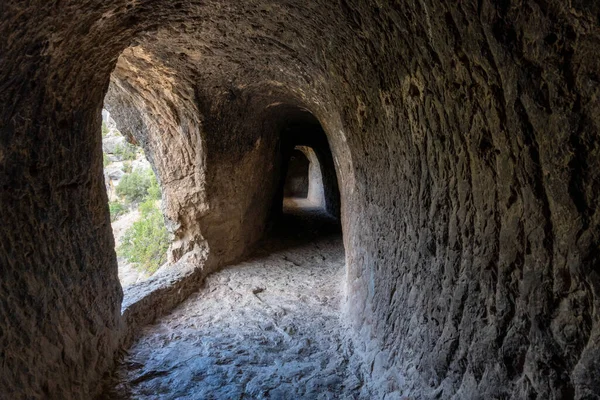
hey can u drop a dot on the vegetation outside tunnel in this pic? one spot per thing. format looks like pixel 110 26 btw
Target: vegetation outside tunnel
pixel 135 205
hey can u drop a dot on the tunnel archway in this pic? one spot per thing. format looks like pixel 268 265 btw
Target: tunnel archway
pixel 303 136
pixel 298 239
pixel 304 179
pixel 297 180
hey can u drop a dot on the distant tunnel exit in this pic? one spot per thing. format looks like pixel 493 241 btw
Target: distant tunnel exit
pixel 309 176
pixel 304 179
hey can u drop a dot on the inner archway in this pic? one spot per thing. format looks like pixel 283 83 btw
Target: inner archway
pixel 304 180
pixel 297 179
pixel 309 171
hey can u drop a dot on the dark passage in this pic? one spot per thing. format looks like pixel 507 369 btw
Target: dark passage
pixel 309 171
pixel 297 180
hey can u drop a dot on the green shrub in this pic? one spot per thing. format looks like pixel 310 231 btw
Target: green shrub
pixel 126 151
pixel 116 209
pixel 134 187
pixel 105 159
pixel 145 244
pixel 154 189
pixel 127 167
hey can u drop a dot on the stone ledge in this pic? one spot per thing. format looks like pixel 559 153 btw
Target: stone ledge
pixel 145 301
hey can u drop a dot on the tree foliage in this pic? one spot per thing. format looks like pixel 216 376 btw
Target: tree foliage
pixel 145 244
pixel 134 186
pixel 126 151
pixel 116 210
pixel 105 129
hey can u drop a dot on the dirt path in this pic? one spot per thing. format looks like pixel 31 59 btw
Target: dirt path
pixel 267 328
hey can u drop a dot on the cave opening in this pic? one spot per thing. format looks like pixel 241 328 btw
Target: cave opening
pixel 297 179
pixel 134 201
pixel 230 211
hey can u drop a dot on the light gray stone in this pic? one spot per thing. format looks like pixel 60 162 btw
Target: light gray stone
pixel 111 144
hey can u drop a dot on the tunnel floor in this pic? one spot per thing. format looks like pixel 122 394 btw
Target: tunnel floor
pixel 266 328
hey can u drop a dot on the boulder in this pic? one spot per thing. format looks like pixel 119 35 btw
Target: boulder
pixel 110 144
pixel 140 165
pixel 114 171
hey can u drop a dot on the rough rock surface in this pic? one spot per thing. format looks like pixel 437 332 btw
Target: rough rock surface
pixel 114 172
pixel 111 144
pixel 465 137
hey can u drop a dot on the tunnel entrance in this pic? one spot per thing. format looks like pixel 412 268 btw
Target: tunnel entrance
pixel 257 262
pixel 134 200
pixel 310 197
pixel 304 181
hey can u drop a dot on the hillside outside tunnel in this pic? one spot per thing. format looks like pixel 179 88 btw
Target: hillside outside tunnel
pixel 457 145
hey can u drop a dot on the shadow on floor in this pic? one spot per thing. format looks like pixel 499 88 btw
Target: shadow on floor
pixel 300 223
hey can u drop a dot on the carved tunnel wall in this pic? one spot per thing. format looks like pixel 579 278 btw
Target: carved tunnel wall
pixel 465 140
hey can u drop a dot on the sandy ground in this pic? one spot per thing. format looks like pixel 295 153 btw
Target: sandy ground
pixel 293 204
pixel 267 328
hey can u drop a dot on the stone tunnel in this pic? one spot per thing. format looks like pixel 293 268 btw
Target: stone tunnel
pixel 458 146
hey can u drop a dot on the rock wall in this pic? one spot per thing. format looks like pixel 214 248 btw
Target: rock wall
pixel 465 142
pixel 478 265
pixel 59 292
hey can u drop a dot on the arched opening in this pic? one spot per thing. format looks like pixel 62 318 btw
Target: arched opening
pixel 288 256
pixel 134 199
pixel 304 181
pixel 308 199
pixel 310 178
pixel 297 178
pixel 223 181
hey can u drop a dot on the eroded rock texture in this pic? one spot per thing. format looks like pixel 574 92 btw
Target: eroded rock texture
pixel 465 140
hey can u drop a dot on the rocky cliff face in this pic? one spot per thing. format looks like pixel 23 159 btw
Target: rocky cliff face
pixel 465 140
